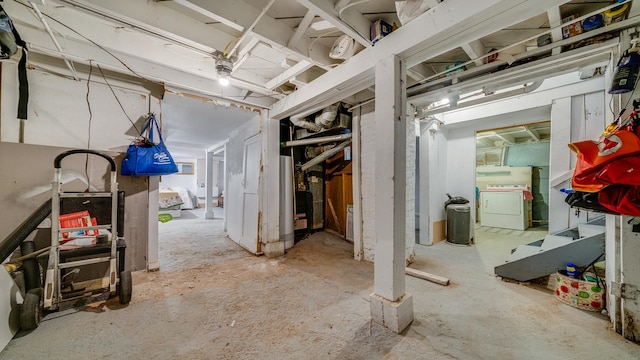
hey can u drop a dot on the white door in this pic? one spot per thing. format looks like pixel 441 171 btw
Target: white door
pixel 250 178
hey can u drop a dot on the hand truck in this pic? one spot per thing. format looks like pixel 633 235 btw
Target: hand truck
pixel 112 252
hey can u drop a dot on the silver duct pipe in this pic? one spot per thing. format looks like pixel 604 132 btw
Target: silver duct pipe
pixel 317 140
pixel 306 124
pixel 324 156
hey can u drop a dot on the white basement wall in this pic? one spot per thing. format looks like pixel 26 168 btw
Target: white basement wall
pixel 553 100
pixel 368 190
pixel 59 119
pixel 433 157
pixel 187 181
pixel 59 110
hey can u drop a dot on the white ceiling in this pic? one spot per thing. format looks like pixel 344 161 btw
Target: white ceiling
pixel 275 51
pixel 191 125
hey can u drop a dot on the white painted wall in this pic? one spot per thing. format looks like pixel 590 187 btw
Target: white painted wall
pixel 433 157
pixel 187 181
pixel 551 101
pixel 368 167
pixel 59 113
pixel 59 116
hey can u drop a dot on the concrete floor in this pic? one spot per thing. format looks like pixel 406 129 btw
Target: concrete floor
pixel 222 303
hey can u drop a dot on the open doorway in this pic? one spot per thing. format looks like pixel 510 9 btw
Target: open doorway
pixel 316 167
pixel 512 187
pixel 195 130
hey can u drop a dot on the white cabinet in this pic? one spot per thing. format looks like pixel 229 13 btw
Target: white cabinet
pixel 504 209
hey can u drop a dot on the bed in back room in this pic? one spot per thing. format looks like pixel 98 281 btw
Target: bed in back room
pixel 172 200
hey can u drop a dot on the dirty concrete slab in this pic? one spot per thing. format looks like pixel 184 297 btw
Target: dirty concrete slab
pixel 313 303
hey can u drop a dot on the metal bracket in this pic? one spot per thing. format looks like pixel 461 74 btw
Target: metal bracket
pixel 624 291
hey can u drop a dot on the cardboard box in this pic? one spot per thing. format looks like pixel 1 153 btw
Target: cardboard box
pixel 77 219
pixel 380 29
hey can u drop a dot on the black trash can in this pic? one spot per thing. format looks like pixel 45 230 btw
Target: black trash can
pixel 458 220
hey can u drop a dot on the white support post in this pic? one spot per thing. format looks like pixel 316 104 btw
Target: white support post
pixel 226 186
pixel 152 240
pixel 358 240
pixel 390 305
pixel 423 149
pixel 208 202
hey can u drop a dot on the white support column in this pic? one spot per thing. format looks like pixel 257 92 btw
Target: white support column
pixel 226 186
pixel 358 240
pixel 423 149
pixel 390 305
pixel 152 242
pixel 208 202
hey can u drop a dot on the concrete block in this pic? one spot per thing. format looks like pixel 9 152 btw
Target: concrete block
pixel 273 249
pixel 394 315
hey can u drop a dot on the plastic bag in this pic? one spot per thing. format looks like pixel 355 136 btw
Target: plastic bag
pixel 411 9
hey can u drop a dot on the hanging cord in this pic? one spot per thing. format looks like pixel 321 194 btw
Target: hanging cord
pixel 86 156
pixel 96 44
pixel 117 99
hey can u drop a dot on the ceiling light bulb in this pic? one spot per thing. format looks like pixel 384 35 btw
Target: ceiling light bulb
pixel 224 81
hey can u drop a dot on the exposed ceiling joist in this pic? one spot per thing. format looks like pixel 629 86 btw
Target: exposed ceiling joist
pixel 150 17
pixel 555 19
pixel 210 14
pixel 540 69
pixel 506 138
pixel 288 74
pixel 464 22
pixel 268 30
pixel 475 50
pixel 532 133
pixel 302 28
pixel 348 20
pixel 150 57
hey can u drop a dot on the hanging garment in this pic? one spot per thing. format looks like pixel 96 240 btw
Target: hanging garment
pixel 621 199
pixel 594 156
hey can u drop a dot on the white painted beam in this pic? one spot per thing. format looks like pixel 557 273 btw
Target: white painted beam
pixel 532 133
pixel 565 86
pixel 537 70
pixel 302 28
pixel 433 33
pixel 210 14
pixel 150 17
pixel 475 50
pixel 350 22
pixel 507 139
pixel 555 20
pixel 288 74
pixel 268 30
